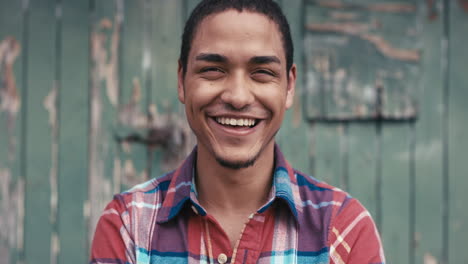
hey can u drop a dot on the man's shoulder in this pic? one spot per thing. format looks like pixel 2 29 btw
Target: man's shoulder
pixel 309 185
pixel 154 187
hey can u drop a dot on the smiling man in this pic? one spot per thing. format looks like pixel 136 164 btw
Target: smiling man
pixel 236 199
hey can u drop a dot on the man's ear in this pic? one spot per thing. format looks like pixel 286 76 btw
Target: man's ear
pixel 180 83
pixel 291 88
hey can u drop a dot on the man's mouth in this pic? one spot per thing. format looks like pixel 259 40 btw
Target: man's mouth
pixel 236 122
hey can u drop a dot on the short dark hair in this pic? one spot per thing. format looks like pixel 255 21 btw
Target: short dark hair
pixel 210 7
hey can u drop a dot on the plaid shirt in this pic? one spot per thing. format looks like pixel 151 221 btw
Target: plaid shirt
pixel 304 221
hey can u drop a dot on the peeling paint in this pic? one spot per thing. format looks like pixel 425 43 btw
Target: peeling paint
pixel 107 64
pixel 54 248
pixel 11 211
pixel 9 51
pixel 429 259
pixel 104 69
pixel 50 104
pixel 10 100
pixel 359 30
pixel 11 192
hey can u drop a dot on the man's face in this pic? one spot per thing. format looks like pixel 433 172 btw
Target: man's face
pixel 236 88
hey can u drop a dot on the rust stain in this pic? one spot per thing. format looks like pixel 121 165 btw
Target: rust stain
pixel 381 7
pixel 359 30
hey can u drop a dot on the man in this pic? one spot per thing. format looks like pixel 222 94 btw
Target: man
pixel 236 199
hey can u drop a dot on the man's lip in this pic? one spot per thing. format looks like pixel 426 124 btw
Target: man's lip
pixel 236 116
pixel 234 130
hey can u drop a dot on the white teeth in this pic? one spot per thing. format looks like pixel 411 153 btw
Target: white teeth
pixel 235 122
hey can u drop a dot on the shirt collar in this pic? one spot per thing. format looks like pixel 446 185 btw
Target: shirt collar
pixel 182 190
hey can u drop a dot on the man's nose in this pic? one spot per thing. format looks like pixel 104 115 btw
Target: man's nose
pixel 238 92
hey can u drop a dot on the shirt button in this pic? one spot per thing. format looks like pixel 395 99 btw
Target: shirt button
pixel 222 258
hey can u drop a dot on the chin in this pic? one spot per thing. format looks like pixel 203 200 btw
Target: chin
pixel 236 165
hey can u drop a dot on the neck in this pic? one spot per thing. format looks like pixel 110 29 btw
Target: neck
pixel 243 191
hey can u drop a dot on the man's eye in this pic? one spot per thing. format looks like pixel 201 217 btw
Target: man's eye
pixel 211 73
pixel 263 75
pixel 265 72
pixel 211 69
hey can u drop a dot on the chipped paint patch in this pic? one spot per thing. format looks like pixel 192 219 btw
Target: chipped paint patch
pixel 429 259
pixel 104 69
pixel 54 248
pixel 50 104
pixel 11 210
pixel 360 30
pixel 10 100
pixel 106 65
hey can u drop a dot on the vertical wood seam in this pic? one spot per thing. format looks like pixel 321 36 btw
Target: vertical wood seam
pixel 445 131
pixel 412 194
pixel 24 105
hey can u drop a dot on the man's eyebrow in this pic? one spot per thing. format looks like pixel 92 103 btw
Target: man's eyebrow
pixel 211 57
pixel 264 60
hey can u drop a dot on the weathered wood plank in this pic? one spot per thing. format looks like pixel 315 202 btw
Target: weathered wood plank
pixel 383 60
pixel 133 118
pixel 106 23
pixel 73 127
pixel 331 154
pixel 395 227
pixel 12 56
pixel 363 165
pixel 295 147
pixel 458 137
pixel 41 135
pixel 428 149
pixel 167 115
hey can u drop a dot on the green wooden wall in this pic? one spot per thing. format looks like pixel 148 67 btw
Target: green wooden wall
pixel 88 108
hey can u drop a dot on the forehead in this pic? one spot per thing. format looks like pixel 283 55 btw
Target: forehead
pixel 232 31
